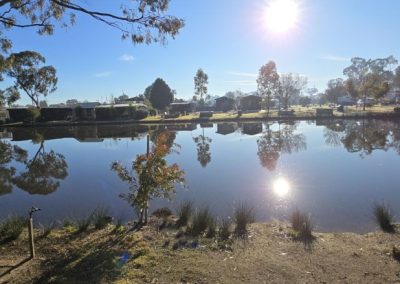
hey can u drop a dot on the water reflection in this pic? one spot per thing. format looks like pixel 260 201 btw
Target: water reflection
pixel 281 187
pixel 39 175
pixel 363 136
pixel 203 149
pixel 273 143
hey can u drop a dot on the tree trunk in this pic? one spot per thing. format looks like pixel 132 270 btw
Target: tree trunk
pixel 365 98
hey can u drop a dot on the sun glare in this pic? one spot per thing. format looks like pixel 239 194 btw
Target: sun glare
pixel 281 187
pixel 281 15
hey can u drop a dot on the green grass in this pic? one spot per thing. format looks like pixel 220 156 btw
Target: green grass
pixel 83 224
pixel 12 227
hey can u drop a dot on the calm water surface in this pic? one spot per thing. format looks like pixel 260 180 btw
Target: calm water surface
pixel 335 170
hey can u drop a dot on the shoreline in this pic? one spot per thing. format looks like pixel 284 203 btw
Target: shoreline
pixel 383 116
pixel 270 254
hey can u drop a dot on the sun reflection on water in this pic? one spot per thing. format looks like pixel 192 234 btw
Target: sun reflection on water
pixel 281 187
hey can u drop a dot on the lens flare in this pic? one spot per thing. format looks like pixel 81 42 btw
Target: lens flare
pixel 282 15
pixel 281 187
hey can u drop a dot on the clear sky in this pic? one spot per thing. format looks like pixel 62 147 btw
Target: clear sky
pixel 229 39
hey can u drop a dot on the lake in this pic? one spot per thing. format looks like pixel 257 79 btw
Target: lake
pixel 335 170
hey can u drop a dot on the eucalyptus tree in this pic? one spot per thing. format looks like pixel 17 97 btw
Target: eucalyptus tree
pixel 371 77
pixel 29 77
pixel 268 84
pixel 200 85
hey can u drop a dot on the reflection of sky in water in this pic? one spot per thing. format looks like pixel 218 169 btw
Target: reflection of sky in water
pixel 337 185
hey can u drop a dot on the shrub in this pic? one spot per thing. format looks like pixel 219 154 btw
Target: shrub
pixel 11 228
pixel 243 216
pixel 101 217
pixel 201 220
pixel 384 217
pixel 141 114
pixel 184 213
pixel 225 229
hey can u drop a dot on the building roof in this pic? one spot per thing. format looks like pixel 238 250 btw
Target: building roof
pixel 88 104
pixel 122 105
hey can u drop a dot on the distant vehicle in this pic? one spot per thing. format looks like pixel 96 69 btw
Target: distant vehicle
pixel 367 102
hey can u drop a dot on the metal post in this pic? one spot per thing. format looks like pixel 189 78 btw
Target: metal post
pixel 31 233
pixel 31 243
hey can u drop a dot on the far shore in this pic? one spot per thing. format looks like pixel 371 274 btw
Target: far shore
pixel 300 113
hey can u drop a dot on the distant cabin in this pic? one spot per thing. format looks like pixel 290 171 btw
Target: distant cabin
pixel 181 108
pixel 224 104
pixel 134 100
pixel 250 103
pixel 86 110
pixel 121 111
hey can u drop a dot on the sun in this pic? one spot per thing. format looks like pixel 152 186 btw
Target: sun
pixel 282 15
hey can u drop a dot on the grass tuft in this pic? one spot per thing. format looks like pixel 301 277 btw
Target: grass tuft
pixel 302 224
pixel 384 217
pixel 47 229
pixel 184 213
pixel 224 232
pixel 243 216
pixel 201 220
pixel 83 224
pixel 212 227
pixel 12 227
pixel 101 217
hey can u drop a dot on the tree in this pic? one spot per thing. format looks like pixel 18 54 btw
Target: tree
pixel 29 77
pixel 123 97
pixel 147 92
pixel 336 89
pixel 200 84
pixel 142 21
pixel 369 77
pixel 161 94
pixel 290 85
pixel 72 102
pixel 268 83
pixel 150 177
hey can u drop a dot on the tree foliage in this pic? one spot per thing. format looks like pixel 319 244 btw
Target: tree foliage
pixel 369 77
pixel 29 77
pixel 200 85
pixel 290 85
pixel 161 94
pixel 142 21
pixel 150 176
pixel 268 83
pixel 336 88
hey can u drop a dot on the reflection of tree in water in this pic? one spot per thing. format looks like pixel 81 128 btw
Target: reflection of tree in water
pixel 43 172
pixel 170 140
pixel 364 136
pixel 273 143
pixel 8 153
pixel 203 149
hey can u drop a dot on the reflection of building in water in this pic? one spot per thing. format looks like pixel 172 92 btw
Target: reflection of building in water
pixel 182 127
pixel 251 128
pixel 206 125
pixel 226 128
pixel 89 140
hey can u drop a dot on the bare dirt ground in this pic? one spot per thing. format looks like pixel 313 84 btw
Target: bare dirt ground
pixel 270 255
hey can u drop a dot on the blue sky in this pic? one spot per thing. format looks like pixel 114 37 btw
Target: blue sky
pixel 227 38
